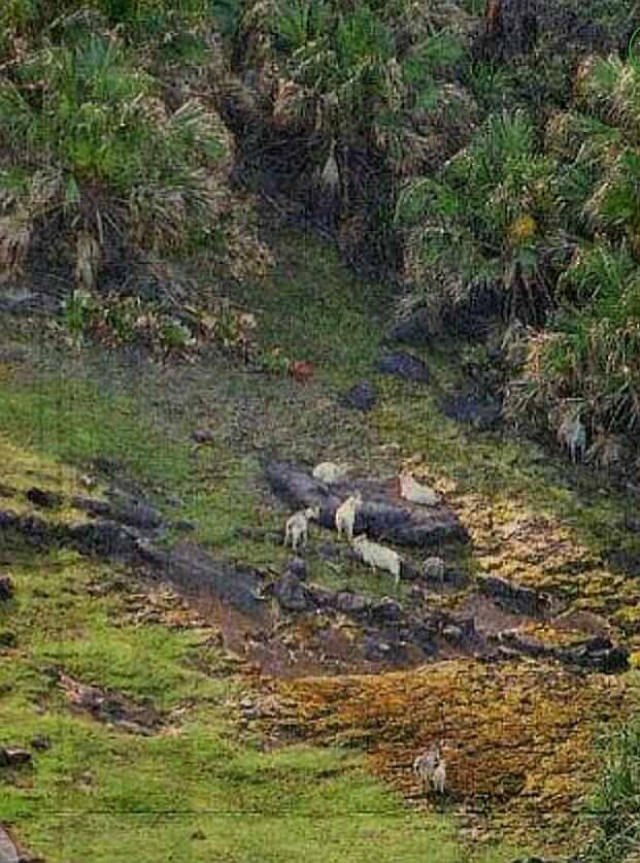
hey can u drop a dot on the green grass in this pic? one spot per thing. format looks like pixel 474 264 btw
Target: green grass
pixel 197 792
pixel 102 794
pixel 615 805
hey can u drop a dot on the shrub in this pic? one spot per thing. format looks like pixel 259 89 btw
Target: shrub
pixel 86 140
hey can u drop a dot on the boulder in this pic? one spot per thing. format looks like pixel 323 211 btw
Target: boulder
pixel 403 365
pixel 14 756
pixel 513 597
pixel 381 518
pixel 292 594
pixel 481 412
pixel 44 499
pixel 6 587
pixel 360 397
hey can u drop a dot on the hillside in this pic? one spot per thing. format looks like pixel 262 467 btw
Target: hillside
pixel 238 240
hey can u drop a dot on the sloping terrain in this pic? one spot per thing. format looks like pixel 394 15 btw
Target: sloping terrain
pixel 124 679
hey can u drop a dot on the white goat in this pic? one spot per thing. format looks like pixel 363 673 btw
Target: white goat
pixel 329 471
pixel 414 492
pixel 572 434
pixel 430 767
pixel 346 514
pixel 440 776
pixel 297 526
pixel 378 555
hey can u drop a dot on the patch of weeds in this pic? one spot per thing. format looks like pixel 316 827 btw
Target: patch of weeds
pixel 116 320
pixel 615 806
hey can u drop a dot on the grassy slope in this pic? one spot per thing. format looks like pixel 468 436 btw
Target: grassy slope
pixel 193 791
pixel 101 793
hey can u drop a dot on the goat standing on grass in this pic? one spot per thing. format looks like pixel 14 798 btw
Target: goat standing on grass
pixel 297 526
pixel 573 435
pixel 346 514
pixel 378 556
pixel 431 768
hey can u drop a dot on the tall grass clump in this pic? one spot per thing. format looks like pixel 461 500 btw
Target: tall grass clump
pixel 91 152
pixel 615 806
pixel 482 218
pixel 588 357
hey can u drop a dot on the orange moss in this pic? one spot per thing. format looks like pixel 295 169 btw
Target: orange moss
pixel 520 734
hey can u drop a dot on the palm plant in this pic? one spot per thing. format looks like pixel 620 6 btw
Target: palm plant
pixel 484 217
pixel 85 138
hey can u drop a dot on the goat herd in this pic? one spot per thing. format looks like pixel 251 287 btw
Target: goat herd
pixel 430 766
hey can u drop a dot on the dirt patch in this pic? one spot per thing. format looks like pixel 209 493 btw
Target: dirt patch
pixel 110 707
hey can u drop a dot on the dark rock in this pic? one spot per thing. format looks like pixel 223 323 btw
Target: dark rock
pixel 32 529
pixel 92 506
pixel 414 328
pixel 8 639
pixel 513 597
pixel 112 707
pixel 104 539
pixel 328 550
pixel 133 511
pixel 6 587
pixel 13 756
pixel 23 302
pixel 202 436
pixel 384 647
pixel 423 634
pixel 404 366
pixel 292 594
pixel 453 633
pixel 107 466
pixel 482 412
pixel 191 568
pixel 376 648
pixel 184 526
pixel 360 397
pixel 41 743
pixel 596 654
pixel 44 499
pixel 297 567
pixel 385 610
pixel 352 603
pixel 403 524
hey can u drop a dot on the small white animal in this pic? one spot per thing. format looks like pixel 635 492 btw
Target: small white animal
pixel 378 555
pixel 431 769
pixel 346 514
pixel 297 526
pixel 573 435
pixel 329 471
pixel 414 492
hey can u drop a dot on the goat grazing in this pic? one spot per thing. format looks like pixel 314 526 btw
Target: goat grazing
pixel 414 492
pixel 430 767
pixel 328 472
pixel 297 526
pixel 378 555
pixel 346 514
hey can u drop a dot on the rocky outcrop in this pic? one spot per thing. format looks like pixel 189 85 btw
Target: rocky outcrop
pixel 380 516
